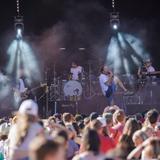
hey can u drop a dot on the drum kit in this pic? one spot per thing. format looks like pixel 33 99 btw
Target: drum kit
pixel 71 90
pixel 63 88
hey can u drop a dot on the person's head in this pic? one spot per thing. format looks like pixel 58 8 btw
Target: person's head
pixel 139 117
pixel 93 116
pixel 58 117
pixel 109 119
pixel 43 149
pixel 51 122
pixel 67 117
pixel 86 121
pixel 147 63
pixel 130 127
pixel 78 118
pixel 119 116
pixel 104 69
pixel 139 137
pixel 152 150
pixel 91 141
pixel 74 64
pixel 61 135
pixel 28 107
pixel 111 109
pixel 2 121
pixel 152 117
pixel 81 126
pixel 99 125
pixel 28 112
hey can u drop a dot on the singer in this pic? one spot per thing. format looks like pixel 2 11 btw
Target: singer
pixel 106 80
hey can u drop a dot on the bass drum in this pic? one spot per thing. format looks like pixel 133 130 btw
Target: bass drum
pixel 73 90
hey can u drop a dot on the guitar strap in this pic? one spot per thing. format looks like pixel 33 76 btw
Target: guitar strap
pixel 19 83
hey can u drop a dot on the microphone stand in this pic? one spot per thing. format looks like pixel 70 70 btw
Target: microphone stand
pixel 55 89
pixel 76 99
pixel 47 96
pixel 46 92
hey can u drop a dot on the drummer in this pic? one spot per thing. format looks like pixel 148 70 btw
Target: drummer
pixel 76 71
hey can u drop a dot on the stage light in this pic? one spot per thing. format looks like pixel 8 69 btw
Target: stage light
pixel 19 26
pixel 21 55
pixel 81 49
pixel 19 33
pixel 114 20
pixel 62 48
pixel 115 26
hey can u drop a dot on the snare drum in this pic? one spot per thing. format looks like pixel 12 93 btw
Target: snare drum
pixel 73 90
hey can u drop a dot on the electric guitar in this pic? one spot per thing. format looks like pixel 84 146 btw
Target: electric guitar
pixel 24 95
pixel 155 73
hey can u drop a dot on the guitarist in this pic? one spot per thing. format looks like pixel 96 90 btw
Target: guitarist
pixel 22 90
pixel 144 72
pixel 145 69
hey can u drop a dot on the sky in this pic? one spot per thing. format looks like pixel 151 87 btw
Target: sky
pixel 52 24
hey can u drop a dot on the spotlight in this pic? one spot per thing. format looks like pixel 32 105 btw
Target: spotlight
pixel 115 27
pixel 19 33
pixel 19 26
pixel 114 20
pixel 81 49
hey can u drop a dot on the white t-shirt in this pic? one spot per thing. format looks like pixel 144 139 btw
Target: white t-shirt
pixel 150 69
pixel 102 80
pixel 21 86
pixel 22 150
pixel 75 72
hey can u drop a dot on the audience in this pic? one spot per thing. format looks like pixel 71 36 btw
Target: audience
pixel 110 136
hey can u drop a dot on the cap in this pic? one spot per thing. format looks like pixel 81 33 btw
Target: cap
pixel 103 121
pixel 93 115
pixel 28 107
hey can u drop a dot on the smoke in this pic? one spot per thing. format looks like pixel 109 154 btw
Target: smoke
pixel 83 25
pixel 50 41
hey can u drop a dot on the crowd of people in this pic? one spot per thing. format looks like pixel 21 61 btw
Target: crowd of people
pixel 113 135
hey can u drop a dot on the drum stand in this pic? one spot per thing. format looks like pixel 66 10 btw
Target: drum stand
pixel 47 94
pixel 55 107
pixel 88 85
pixel 76 100
pixel 76 104
pixel 90 82
pixel 55 89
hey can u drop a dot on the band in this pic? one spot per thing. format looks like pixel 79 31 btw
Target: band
pixel 75 85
